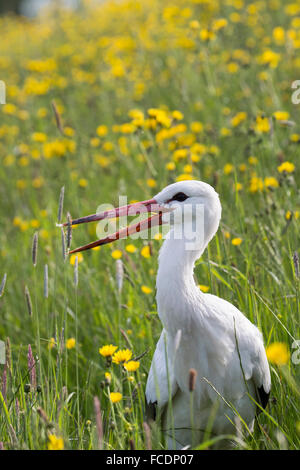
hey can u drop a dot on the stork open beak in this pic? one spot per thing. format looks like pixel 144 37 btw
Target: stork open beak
pixel 148 206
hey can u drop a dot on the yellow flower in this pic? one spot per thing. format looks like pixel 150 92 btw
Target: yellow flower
pixel 295 138
pixel 286 167
pixel 278 353
pixel 116 254
pixel 219 23
pixel 55 443
pixel 228 168
pixel 146 252
pixel 73 258
pixel 203 288
pixel 279 35
pixel 151 182
pixel 238 119
pixel 107 376
pixel 132 366
pixel 196 127
pixel 130 248
pixel 123 355
pixel 184 177
pixel 17 221
pixel 256 184
pixel 236 241
pixel 281 115
pixel 51 343
pixel 225 132
pixel 177 115
pixel 70 344
pixel 288 215
pixel 271 182
pixel 270 58
pixel 170 166
pixel 146 289
pixel 188 168
pixel 39 137
pixel 101 130
pixel 107 350
pixel 9 108
pixel 82 182
pixel 262 124
pixel 232 67
pixel 95 142
pixel 115 397
pixel 253 160
pixel 69 131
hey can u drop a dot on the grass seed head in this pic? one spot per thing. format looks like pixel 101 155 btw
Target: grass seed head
pixel 76 272
pixel 28 301
pixel 2 286
pixel 296 263
pixel 192 379
pixel 63 244
pixel 46 285
pixel 34 249
pixel 69 230
pixel 61 204
pixel 57 116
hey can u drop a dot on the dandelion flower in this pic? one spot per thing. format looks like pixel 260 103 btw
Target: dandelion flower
pixel 130 248
pixel 271 182
pixel 107 350
pixel 146 289
pixel 107 377
pixel 236 241
pixel 116 254
pixel 278 353
pixel 55 443
pixel 70 344
pixel 286 167
pixel 124 355
pixel 145 251
pixel 203 288
pixel 281 115
pixel 51 343
pixel 132 366
pixel 73 258
pixel 115 397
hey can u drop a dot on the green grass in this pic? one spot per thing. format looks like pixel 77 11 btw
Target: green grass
pixel 160 71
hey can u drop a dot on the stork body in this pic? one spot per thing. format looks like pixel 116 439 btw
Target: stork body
pixel 200 331
pixel 205 333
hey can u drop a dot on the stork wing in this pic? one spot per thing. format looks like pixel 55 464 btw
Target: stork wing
pixel 254 359
pixel 161 381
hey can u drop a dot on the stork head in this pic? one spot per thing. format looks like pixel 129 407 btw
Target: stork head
pixel 192 208
pixel 187 206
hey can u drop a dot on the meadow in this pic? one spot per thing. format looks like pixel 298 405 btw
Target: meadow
pixel 123 98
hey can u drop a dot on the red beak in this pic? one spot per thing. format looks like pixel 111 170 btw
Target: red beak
pixel 131 209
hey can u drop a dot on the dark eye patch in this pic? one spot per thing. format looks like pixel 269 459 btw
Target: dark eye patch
pixel 179 197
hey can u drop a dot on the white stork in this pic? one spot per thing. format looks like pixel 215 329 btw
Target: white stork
pixel 200 331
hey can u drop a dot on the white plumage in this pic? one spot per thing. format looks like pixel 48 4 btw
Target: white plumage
pixel 202 332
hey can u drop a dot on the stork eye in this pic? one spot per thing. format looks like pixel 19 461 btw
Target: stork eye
pixel 179 197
